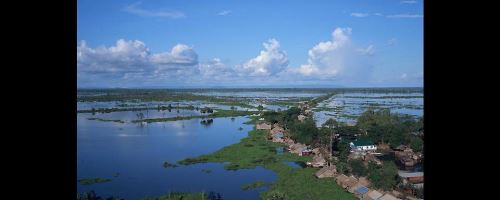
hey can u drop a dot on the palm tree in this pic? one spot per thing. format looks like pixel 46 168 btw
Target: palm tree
pixel 332 124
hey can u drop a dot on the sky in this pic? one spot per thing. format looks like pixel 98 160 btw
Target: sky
pixel 263 43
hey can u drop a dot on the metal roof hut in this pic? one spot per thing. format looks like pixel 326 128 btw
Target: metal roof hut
pixel 359 190
pixel 325 172
pixel 263 126
pixel 372 195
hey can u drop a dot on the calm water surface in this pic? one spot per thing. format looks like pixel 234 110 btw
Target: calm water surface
pixel 138 153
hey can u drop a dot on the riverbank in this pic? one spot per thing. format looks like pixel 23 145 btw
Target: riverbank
pixel 292 183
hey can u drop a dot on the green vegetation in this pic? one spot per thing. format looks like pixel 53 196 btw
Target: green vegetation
pixel 253 185
pixel 90 181
pixel 383 126
pixel 218 113
pixel 108 110
pixel 116 174
pixel 179 196
pixel 358 168
pixel 208 171
pixel 93 196
pixel 255 150
pixel 384 177
pixel 169 165
pixel 106 120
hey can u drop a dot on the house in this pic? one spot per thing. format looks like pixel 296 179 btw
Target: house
pixel 388 196
pixel 363 145
pixel 278 137
pixel 317 161
pixel 355 187
pixel 263 126
pixel 372 195
pixel 341 179
pixel 301 117
pixel 277 129
pixel 297 148
pixel 307 152
pixel 364 181
pixel 411 177
pixel 329 171
pixel 350 182
pixel 360 191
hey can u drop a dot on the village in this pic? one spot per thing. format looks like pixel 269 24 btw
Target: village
pixel 324 158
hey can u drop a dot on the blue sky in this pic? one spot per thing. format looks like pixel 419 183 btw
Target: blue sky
pixel 182 43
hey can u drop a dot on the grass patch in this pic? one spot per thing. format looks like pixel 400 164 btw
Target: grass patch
pixel 179 196
pixel 106 120
pixel 295 183
pixel 253 185
pixel 169 165
pixel 90 181
pixel 218 113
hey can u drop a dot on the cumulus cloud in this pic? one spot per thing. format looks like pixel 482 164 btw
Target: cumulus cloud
pixel 359 14
pixel 224 12
pixel 180 55
pixel 216 70
pixel 132 60
pixel 134 9
pixel 367 51
pixel 398 16
pixel 270 61
pixel 336 59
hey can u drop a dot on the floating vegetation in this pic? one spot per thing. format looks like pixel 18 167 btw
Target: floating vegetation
pixel 106 120
pixel 253 185
pixel 240 128
pixel 116 174
pixel 208 171
pixel 90 181
pixel 169 165
pixel 184 196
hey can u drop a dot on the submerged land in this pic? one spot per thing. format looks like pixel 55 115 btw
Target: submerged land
pixel 324 121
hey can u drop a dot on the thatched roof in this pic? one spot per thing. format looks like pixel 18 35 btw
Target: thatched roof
pixel 341 178
pixel 372 195
pixel 329 171
pixel 388 197
pixel 263 126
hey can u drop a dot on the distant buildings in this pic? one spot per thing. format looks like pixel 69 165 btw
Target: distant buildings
pixel 363 145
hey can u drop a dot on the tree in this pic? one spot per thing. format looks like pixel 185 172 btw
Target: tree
pixel 331 123
pixel 260 107
pixel 358 168
pixel 385 177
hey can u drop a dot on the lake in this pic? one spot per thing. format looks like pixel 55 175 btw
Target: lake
pixel 137 153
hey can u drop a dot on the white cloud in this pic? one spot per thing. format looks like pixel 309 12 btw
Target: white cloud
pixel 367 51
pixel 337 59
pixel 404 75
pixel 408 2
pixel 405 16
pixel 180 55
pixel 325 58
pixel 392 42
pixel 377 14
pixel 216 70
pixel 224 12
pixel 359 14
pixel 268 62
pixel 134 9
pixel 132 61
